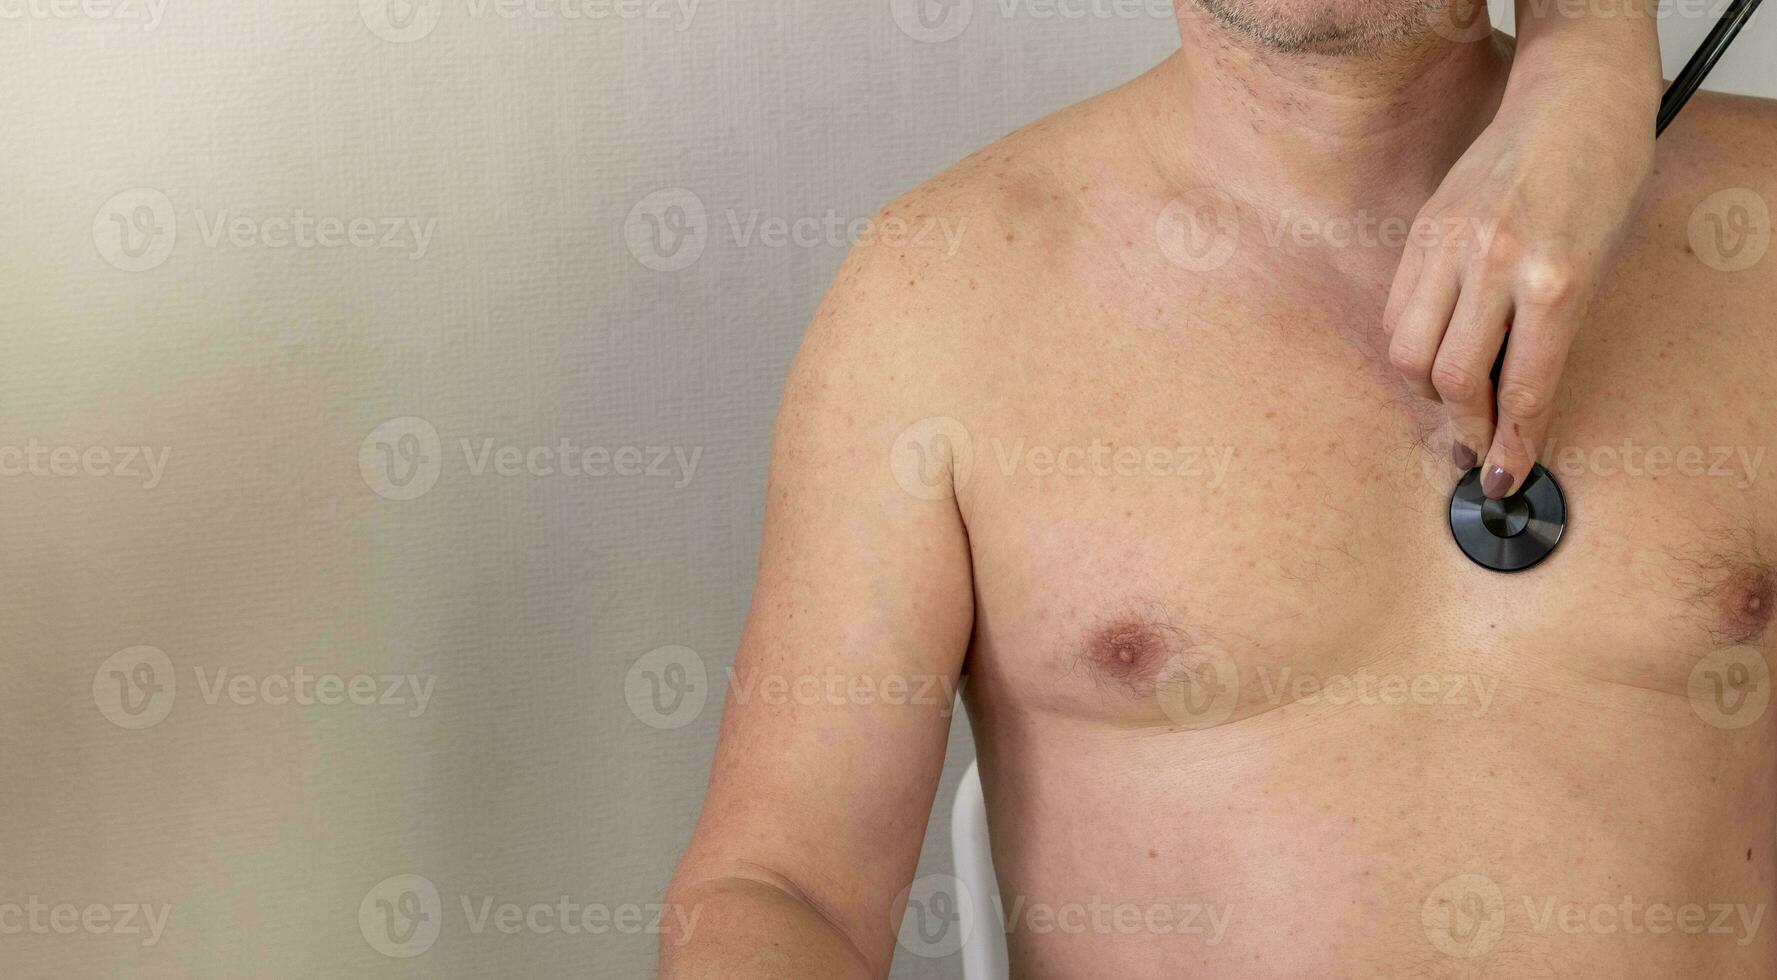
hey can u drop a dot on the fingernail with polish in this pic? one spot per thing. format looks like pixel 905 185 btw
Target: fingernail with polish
pixel 1496 483
pixel 1462 456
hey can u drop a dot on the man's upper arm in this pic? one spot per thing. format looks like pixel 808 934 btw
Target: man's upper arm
pixel 838 709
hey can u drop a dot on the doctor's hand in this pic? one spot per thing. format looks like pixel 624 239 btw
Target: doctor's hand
pixel 1521 233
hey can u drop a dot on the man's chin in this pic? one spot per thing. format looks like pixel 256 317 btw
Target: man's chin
pixel 1326 27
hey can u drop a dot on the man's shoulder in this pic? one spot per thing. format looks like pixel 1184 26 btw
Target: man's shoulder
pixel 962 268
pixel 1713 196
pixel 1714 110
pixel 946 278
pixel 1720 138
pixel 995 225
pixel 1703 251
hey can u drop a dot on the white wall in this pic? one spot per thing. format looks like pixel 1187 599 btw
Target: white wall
pixel 273 535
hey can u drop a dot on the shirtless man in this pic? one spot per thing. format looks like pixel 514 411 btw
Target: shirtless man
pixel 1136 462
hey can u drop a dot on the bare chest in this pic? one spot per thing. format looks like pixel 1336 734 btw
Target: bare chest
pixel 1203 514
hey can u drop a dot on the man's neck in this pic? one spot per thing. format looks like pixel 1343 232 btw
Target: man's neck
pixel 1321 135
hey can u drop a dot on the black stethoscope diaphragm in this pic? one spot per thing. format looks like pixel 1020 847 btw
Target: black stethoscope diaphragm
pixel 1513 533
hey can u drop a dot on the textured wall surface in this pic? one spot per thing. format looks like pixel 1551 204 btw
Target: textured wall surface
pixel 373 403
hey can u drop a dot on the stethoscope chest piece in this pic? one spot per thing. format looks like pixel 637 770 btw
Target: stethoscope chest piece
pixel 1512 534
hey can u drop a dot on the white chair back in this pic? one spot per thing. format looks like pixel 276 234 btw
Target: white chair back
pixel 984 949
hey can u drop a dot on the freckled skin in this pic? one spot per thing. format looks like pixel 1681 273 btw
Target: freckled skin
pixel 1325 810
pixel 1273 689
